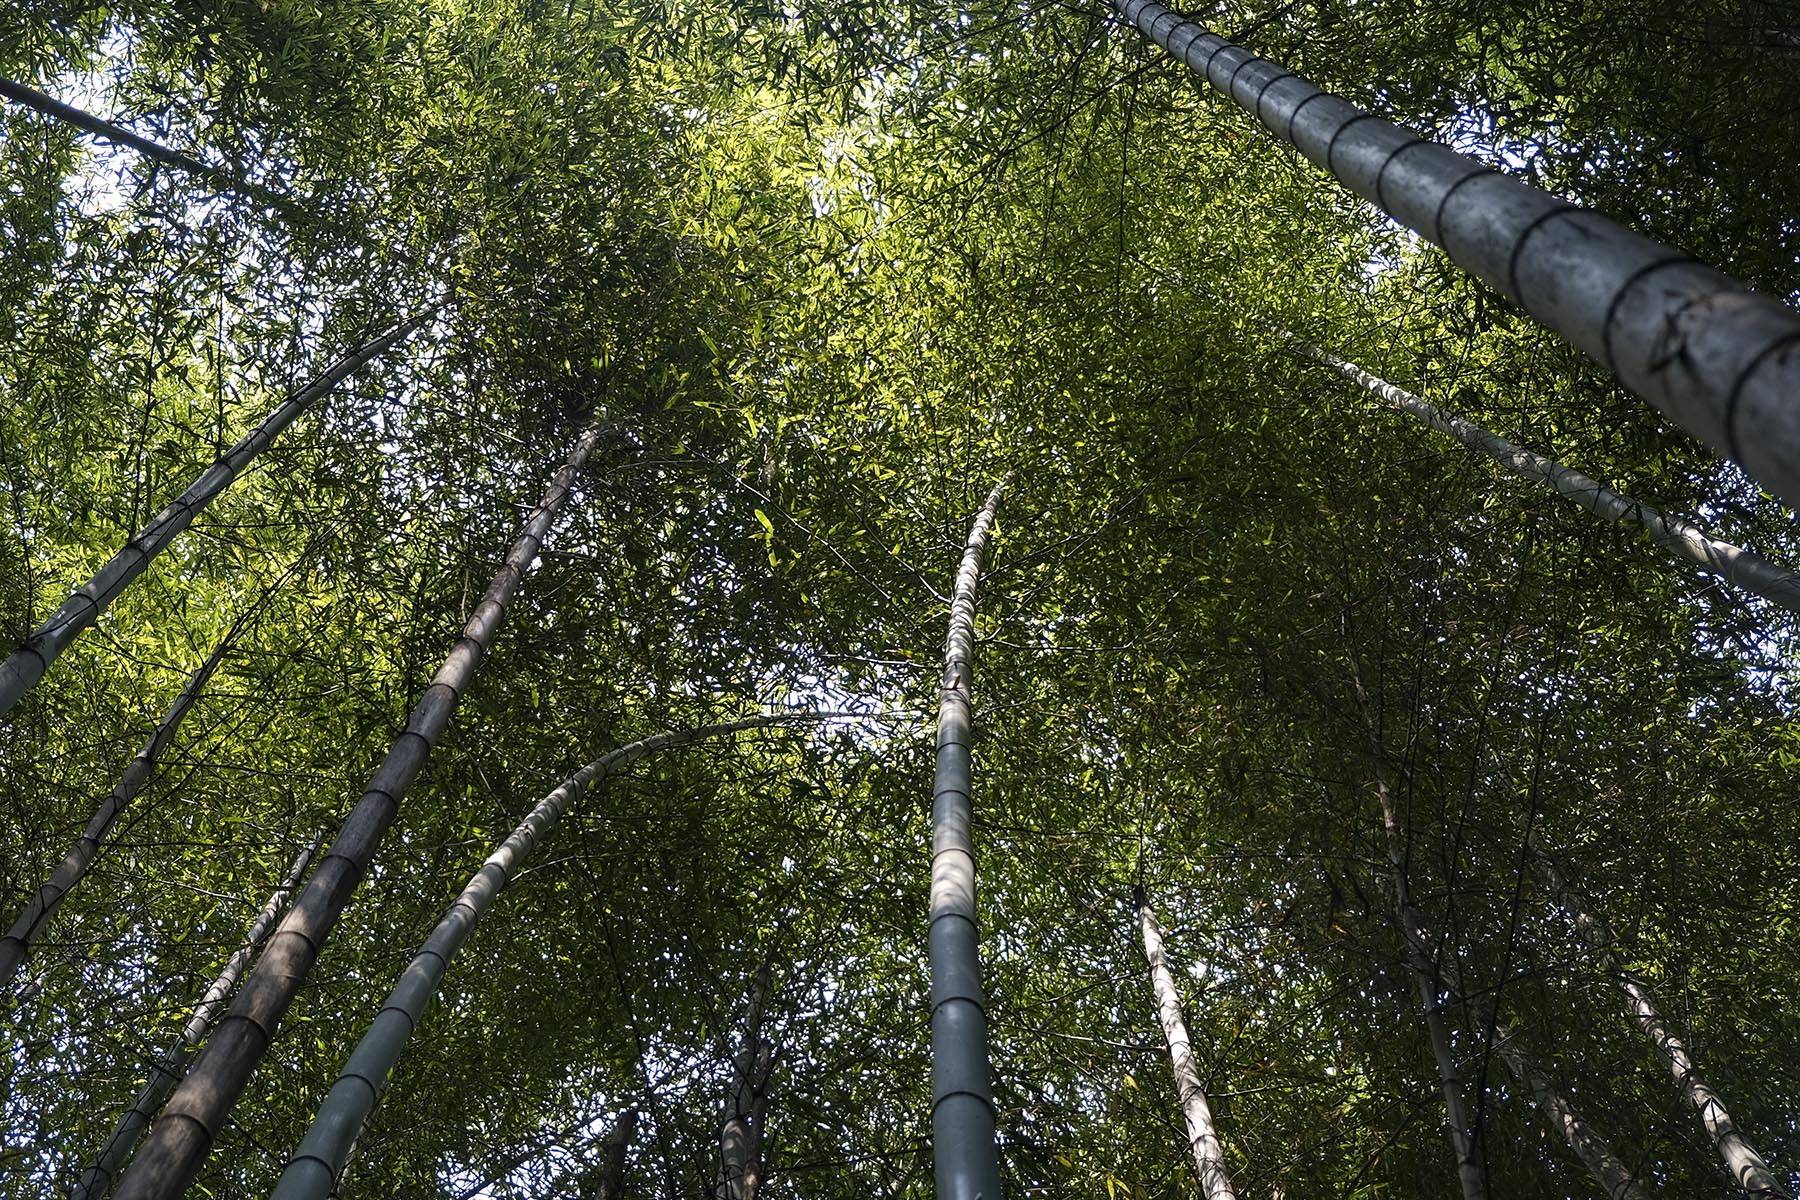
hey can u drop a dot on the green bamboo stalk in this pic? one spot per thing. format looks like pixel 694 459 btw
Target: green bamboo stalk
pixel 26 665
pixel 359 1086
pixel 178 1143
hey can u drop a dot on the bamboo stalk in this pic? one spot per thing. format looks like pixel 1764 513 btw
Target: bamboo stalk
pixel 963 1124
pixel 178 1143
pixel 1747 1168
pixel 1683 539
pixel 359 1086
pixel 1720 360
pixel 27 664
pixel 97 1179
pixel 1203 1136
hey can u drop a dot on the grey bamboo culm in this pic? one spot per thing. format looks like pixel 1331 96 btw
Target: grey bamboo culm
pixel 97 1179
pixel 1721 361
pixel 178 1143
pixel 1742 1161
pixel 1684 540
pixel 16 946
pixel 106 131
pixel 27 664
pixel 322 1152
pixel 966 1160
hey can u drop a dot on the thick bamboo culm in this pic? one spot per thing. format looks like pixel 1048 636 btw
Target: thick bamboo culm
pixel 1720 360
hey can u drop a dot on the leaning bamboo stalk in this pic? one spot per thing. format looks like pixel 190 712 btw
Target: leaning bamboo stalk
pixel 322 1151
pixel 1681 538
pixel 615 1151
pixel 27 664
pixel 16 946
pixel 1746 1166
pixel 963 1123
pixel 97 1179
pixel 1203 1136
pixel 1616 1179
pixel 106 131
pixel 178 1143
pixel 1720 360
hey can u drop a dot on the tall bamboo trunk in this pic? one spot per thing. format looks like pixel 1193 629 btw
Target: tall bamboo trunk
pixel 324 1149
pixel 1680 538
pixel 746 1104
pixel 97 1179
pixel 27 664
pixel 1471 1172
pixel 16 946
pixel 608 1183
pixel 178 1143
pixel 1748 1168
pixel 1721 361
pixel 963 1124
pixel 1203 1137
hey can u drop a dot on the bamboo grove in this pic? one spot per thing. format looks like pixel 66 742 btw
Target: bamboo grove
pixel 862 598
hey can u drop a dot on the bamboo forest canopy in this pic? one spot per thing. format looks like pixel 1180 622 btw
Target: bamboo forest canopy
pixel 561 424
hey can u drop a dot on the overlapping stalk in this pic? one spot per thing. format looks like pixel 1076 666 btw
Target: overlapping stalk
pixel 966 1159
pixel 747 1102
pixel 167 1072
pixel 26 665
pixel 1721 361
pixel 178 1143
pixel 324 1149
pixel 16 946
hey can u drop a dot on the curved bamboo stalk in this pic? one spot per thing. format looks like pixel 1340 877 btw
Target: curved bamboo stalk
pixel 26 665
pixel 1684 540
pixel 178 1143
pixel 97 1179
pixel 1749 1169
pixel 963 1125
pixel 1203 1136
pixel 322 1151
pixel 1721 361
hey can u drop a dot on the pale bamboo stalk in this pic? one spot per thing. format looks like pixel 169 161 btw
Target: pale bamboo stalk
pixel 1203 1136
pixel 26 665
pixel 1720 360
pixel 1679 537
pixel 97 1179
pixel 1616 1179
pixel 178 1143
pixel 16 946
pixel 746 1105
pixel 963 1121
pixel 359 1086
pixel 1748 1168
